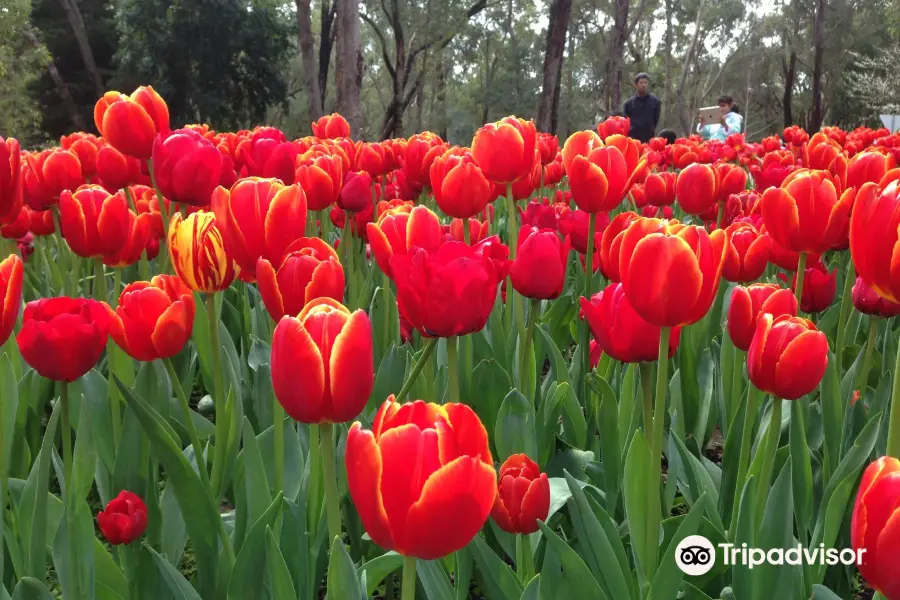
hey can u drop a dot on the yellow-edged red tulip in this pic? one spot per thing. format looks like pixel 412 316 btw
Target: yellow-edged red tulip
pixel 505 150
pixel 322 366
pixel 130 123
pixel 10 180
pixel 331 126
pixel 787 357
pixel 873 529
pixel 11 274
pixel 94 222
pixel 198 253
pixel 460 187
pixel 875 240
pixel 321 177
pixel 400 229
pixel 697 188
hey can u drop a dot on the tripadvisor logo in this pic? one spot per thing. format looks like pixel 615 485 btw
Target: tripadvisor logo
pixel 696 555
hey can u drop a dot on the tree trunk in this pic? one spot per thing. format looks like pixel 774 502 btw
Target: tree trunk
pixel 787 100
pixel 615 55
pixel 73 14
pixel 553 61
pixel 441 96
pixel 308 58
pixel 326 41
pixel 61 88
pixel 667 86
pixel 686 120
pixel 818 66
pixel 348 68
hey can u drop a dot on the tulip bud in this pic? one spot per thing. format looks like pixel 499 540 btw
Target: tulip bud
pixel 539 270
pixel 818 287
pixel 460 187
pixel 356 193
pixel 322 369
pixel 331 126
pixel 787 357
pixel 523 495
pixel 867 301
pixel 124 519
pixel 746 254
pixel 187 167
pixel 697 188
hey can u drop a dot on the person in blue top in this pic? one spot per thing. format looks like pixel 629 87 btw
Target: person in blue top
pixel 642 109
pixel 730 122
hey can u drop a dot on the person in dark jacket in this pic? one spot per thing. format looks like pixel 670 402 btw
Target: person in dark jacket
pixel 642 109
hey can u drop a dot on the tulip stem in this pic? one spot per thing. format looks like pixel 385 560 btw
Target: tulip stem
pixel 659 420
pixel 527 349
pixel 647 397
pixel 588 279
pixel 332 501
pixel 744 457
pixel 893 441
pixel 189 424
pixel 278 431
pixel 862 377
pixel 452 369
pixel 801 273
pixel 347 245
pixel 222 420
pixel 417 368
pixel 163 213
pixel 524 559
pixel 68 492
pixel 720 220
pixel 773 434
pixel 408 590
pixel 846 305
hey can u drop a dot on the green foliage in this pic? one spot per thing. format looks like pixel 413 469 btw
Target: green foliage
pixel 21 65
pixel 220 61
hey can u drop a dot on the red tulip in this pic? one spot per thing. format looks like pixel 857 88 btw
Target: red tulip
pixel 310 269
pixel 748 303
pixel 620 331
pixel 574 224
pixel 732 180
pixel 787 357
pixel 138 235
pixel 47 174
pixel 117 170
pixel 523 495
pixel 874 239
pixel 124 520
pixel 611 242
pixel 866 300
pixel 599 180
pixel 505 150
pixel 153 319
pixel 869 167
pixel 421 151
pixel 187 167
pixel 11 274
pixel 548 147
pixel 321 178
pixel 399 231
pixel 541 215
pixel 460 187
pixel 94 222
pixel 659 188
pixel 747 253
pixel 539 270
pixel 86 147
pixel 371 159
pixel 818 287
pixel 130 123
pixel 267 153
pixel 259 218
pixel 331 126
pixel 322 370
pixel 422 479
pixel 62 338
pixel 451 291
pixel 873 533
pixel 671 271
pixel 10 180
pixel 697 189
pixel 356 193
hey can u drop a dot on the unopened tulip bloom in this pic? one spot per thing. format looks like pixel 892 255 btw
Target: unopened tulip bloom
pixel 505 150
pixel 455 231
pixel 130 123
pixel 310 269
pixel 873 529
pixel 599 180
pixel 451 291
pixel 187 167
pixel 620 331
pixel 866 300
pixel 321 178
pixel 671 271
pixel 139 230
pixel 659 188
pixel 198 253
pixel 523 495
pixel 806 214
pixel 153 319
pixel 575 224
pixel 47 174
pixel 117 170
pixel 422 479
pixel 697 188
pixel 331 126
pixel 259 218
pixel 62 338
pixel 322 369
pixel 732 180
pixel 460 187
pixel 548 147
pixel 10 180
pixel 818 287
pixel 399 230
pixel 539 270
pixel 748 303
pixel 94 222
pixel 747 253
pixel 787 357
pixel 356 192
pixel 421 151
pixel 124 519
pixel 611 242
pixel 875 239
pixel 11 274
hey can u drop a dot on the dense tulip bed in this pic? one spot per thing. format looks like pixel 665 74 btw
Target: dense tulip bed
pixel 250 367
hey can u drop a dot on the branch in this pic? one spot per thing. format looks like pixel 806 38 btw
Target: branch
pixel 638 14
pixel 383 43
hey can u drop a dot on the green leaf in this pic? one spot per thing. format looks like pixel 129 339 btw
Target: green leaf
pixel 820 592
pixel 84 462
pixel 801 469
pixel 597 547
pixel 574 423
pixel 79 524
pixel 497 578
pixel 378 569
pixel 196 506
pixel 33 506
pixel 249 568
pixel 434 580
pixel 9 405
pixel 492 383
pixel 278 577
pixel 581 580
pixel 771 581
pixel 343 581
pixel 637 508
pixel 607 422
pixel 110 582
pixel 515 429
pixel 832 415
pixel 548 418
pixel 700 482
pixel 532 590
pixel 256 485
pixel 462 572
pixel 668 576
pixel 29 588
pixel 389 379
pixel 175 581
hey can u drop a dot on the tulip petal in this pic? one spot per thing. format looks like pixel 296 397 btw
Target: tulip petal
pixel 285 221
pixel 298 372
pixel 267 284
pixel 535 504
pixel 802 365
pixel 364 473
pixel 351 368
pixel 173 329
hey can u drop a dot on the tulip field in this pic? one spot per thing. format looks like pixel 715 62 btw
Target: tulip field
pixel 235 365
